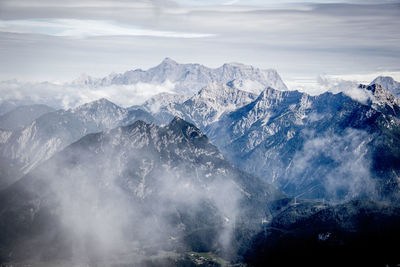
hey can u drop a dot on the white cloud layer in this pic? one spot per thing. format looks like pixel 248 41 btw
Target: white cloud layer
pixel 68 96
pixel 85 28
pixel 347 83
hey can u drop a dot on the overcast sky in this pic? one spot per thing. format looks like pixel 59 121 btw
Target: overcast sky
pixel 58 40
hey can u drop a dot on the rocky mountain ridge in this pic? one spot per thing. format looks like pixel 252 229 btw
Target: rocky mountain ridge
pixel 189 78
pixel 23 149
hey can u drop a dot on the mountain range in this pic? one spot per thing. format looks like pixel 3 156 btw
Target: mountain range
pixel 329 146
pixel 229 168
pixel 24 148
pixel 189 78
pixel 131 190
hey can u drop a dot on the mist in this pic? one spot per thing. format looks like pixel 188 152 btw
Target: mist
pixel 117 197
pixel 68 95
pixel 340 162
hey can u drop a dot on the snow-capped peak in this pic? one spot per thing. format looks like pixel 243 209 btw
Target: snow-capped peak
pixel 223 94
pixel 213 90
pixel 102 111
pixel 169 61
pixel 96 105
pixel 163 101
pixel 235 64
pixel 389 84
pixel 382 97
pixel 212 101
pixel 189 78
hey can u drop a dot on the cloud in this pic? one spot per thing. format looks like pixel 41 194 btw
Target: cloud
pixel 342 162
pixel 135 202
pixel 347 84
pixel 84 28
pixel 68 96
pixel 350 88
pixel 296 39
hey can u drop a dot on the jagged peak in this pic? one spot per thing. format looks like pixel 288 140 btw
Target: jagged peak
pixel 268 91
pixel 165 94
pixel 373 87
pixel 247 67
pixel 188 130
pixel 235 64
pixel 381 95
pixel 186 78
pixel 137 124
pixel 169 61
pixel 387 79
pixel 271 93
pixel 161 100
pixel 101 102
pixel 179 122
pixel 216 90
pixel 388 83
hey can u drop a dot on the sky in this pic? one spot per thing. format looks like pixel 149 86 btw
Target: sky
pixel 52 40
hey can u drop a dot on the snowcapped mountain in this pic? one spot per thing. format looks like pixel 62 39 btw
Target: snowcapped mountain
pixel 163 102
pixel 101 185
pixel 132 190
pixel 51 132
pixel 382 99
pixel 203 108
pixel 189 78
pixel 311 145
pixel 164 106
pixel 389 84
pixel 22 116
pixel 282 136
pixel 211 102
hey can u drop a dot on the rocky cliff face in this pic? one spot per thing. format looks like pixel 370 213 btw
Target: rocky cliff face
pixel 389 84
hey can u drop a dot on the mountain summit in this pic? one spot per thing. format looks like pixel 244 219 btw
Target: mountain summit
pixel 189 78
pixel 389 84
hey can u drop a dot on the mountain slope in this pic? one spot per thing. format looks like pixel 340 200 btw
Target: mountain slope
pixel 7 106
pixel 211 102
pixel 382 99
pixel 326 146
pixel 203 108
pixel 164 106
pixel 357 233
pixel 22 116
pixel 51 132
pixel 114 195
